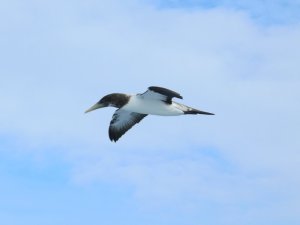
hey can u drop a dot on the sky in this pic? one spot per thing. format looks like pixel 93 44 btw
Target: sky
pixel 237 59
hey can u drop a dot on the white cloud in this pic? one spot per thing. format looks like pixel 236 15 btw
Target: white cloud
pixel 267 12
pixel 219 60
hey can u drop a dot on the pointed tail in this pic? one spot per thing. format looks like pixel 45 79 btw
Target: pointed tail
pixel 196 111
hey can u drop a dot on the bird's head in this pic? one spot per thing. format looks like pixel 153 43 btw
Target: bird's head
pixel 114 100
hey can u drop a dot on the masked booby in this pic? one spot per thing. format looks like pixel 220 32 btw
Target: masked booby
pixel 133 108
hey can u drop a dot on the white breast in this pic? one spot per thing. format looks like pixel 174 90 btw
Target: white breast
pixel 148 106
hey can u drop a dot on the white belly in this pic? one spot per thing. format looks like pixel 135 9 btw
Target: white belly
pixel 154 107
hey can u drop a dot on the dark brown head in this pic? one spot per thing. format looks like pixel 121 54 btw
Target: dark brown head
pixel 114 100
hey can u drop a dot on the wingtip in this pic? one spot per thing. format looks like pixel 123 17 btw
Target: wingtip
pixel 112 139
pixel 112 136
pixel 164 91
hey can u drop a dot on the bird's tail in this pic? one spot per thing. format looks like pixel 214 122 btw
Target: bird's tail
pixel 189 110
pixel 196 111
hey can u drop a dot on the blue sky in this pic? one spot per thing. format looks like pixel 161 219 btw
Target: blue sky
pixel 238 59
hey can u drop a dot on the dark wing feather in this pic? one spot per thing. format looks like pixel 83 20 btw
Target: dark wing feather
pixel 165 91
pixel 121 122
pixel 161 93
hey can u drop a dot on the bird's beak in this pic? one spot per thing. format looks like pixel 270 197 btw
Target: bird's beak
pixel 96 106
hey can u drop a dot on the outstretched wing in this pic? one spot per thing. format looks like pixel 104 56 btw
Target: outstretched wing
pixel 161 93
pixel 121 122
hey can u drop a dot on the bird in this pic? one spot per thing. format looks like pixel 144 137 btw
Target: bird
pixel 131 109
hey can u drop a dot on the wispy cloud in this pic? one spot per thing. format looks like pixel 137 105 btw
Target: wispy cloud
pixel 266 12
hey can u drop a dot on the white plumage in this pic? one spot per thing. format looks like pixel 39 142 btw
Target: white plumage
pixel 145 105
pixel 133 108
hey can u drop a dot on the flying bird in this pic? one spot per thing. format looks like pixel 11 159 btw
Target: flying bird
pixel 133 108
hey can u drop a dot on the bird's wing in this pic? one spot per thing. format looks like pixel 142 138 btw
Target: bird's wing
pixel 160 93
pixel 121 122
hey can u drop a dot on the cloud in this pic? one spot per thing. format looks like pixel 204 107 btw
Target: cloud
pixel 267 12
pixel 60 58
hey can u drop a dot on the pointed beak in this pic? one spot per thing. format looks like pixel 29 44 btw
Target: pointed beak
pixel 96 106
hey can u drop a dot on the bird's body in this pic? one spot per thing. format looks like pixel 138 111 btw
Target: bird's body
pixel 133 108
pixel 142 105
